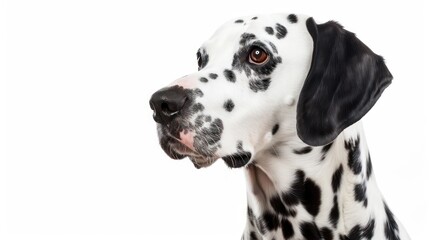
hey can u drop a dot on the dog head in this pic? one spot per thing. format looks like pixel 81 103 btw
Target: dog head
pixel 260 73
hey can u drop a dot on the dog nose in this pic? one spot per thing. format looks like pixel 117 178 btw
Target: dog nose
pixel 167 103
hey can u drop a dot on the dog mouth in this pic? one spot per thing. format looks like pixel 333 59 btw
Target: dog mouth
pixel 180 140
pixel 176 149
pixel 200 158
pixel 197 159
pixel 236 160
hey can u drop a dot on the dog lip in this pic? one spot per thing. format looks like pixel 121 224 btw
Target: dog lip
pixel 184 150
pixel 187 151
pixel 200 162
pixel 175 155
pixel 178 150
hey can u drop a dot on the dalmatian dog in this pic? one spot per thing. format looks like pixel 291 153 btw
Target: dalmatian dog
pixel 282 97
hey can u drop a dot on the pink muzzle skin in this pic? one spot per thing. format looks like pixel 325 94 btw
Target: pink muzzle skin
pixel 187 139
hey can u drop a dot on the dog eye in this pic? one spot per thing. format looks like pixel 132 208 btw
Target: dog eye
pixel 258 56
pixel 199 59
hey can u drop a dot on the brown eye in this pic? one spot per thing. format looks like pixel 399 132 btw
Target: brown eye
pixel 258 56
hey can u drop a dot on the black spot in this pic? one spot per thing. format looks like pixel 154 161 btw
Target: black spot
pixel 229 75
pixel 246 37
pixel 254 18
pixel 336 179
pixel 277 205
pixel 368 167
pixel 391 230
pixel 354 155
pixel 355 233
pixel 273 47
pixel 290 199
pixel 213 75
pixel 334 215
pixel 197 92
pixel 287 228
pixel 197 107
pixel 199 121
pixel 325 150
pixel 368 231
pixel 204 80
pixel 228 105
pixel 275 129
pixel 237 160
pixel 310 231
pixel 293 196
pixel 292 18
pixel 343 237
pixel 239 21
pixel 281 31
pixel 326 233
pixel 259 85
pixel 280 208
pixel 303 150
pixel 203 58
pixel 208 118
pixel 270 221
pixel 311 198
pixel 269 30
pixel 253 236
pixel 358 232
pixel 360 193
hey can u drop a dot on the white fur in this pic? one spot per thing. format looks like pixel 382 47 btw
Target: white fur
pixel 273 165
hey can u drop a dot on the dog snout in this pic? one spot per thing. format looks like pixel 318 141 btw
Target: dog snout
pixel 168 103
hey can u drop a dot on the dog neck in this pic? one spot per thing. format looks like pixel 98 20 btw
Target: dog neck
pixel 294 189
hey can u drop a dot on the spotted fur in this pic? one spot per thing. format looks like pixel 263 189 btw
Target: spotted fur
pixel 292 123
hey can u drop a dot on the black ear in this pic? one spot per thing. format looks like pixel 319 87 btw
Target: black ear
pixel 345 80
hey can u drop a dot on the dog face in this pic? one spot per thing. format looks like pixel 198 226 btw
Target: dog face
pixel 257 74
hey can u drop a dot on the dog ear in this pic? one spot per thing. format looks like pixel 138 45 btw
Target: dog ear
pixel 345 80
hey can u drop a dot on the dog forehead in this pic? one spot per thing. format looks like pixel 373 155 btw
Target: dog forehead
pixel 230 33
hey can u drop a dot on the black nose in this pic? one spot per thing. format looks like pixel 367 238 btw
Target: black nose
pixel 167 103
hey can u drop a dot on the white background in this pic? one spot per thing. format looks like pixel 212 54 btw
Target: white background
pixel 79 156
